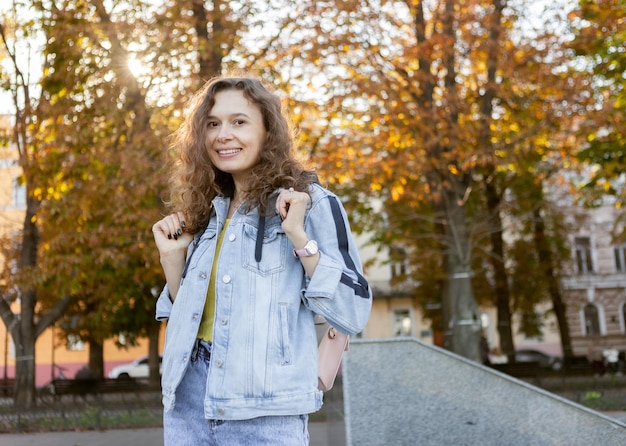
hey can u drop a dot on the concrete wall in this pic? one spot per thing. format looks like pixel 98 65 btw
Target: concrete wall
pixel 405 392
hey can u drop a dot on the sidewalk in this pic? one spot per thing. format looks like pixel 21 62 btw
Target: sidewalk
pixel 322 434
pixel 139 437
pixel 618 415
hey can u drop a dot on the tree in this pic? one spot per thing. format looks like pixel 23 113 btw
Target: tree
pixel 99 178
pixel 28 321
pixel 532 113
pixel 124 118
pixel 404 92
pixel 493 196
pixel 103 175
pixel 599 45
pixel 98 174
pixel 434 112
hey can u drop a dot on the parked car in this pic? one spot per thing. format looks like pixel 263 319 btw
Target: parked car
pixel 134 369
pixel 545 361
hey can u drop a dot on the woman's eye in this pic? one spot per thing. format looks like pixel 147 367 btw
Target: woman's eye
pixel 239 122
pixel 213 124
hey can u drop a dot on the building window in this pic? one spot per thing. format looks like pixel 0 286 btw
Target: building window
pixel 402 323
pixel 592 320
pixel 399 263
pixel 19 194
pixel 584 262
pixel 619 252
pixel 622 314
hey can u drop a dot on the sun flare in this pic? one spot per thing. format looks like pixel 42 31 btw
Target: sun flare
pixel 136 67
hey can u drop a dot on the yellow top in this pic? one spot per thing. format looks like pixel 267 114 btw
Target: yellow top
pixel 205 331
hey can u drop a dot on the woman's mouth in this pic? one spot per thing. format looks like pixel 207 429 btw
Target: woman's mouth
pixel 226 152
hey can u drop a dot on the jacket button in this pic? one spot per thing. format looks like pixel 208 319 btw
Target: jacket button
pixel 226 278
pixel 220 411
pixel 223 321
pixel 232 237
pixel 203 276
pixel 219 363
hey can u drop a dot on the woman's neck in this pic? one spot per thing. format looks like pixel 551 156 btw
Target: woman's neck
pixel 235 202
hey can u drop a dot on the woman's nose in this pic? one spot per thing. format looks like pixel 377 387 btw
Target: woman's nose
pixel 224 134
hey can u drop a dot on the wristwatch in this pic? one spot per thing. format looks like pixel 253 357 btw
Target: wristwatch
pixel 310 249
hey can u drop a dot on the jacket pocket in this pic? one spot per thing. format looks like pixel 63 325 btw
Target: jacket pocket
pixel 197 247
pixel 285 345
pixel 273 254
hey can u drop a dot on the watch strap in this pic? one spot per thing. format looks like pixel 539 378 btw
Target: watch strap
pixel 302 252
pixel 310 249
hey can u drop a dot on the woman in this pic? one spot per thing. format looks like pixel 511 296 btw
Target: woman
pixel 254 248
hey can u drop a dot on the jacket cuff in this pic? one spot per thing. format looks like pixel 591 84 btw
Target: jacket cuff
pixel 164 305
pixel 325 279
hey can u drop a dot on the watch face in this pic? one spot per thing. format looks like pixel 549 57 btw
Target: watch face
pixel 311 247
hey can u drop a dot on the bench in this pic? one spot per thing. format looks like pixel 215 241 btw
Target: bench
pixel 80 387
pixel 577 366
pixel 126 385
pixel 7 386
pixel 523 370
pixel 90 386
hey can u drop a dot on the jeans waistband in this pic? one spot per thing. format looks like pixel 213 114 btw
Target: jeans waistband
pixel 201 350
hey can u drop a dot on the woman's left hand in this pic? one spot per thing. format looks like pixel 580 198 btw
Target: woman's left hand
pixel 291 205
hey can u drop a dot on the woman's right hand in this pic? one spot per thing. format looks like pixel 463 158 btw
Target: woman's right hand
pixel 172 241
pixel 170 235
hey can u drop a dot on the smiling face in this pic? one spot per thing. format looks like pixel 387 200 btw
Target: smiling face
pixel 235 134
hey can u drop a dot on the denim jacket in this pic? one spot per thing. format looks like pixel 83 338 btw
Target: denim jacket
pixel 264 352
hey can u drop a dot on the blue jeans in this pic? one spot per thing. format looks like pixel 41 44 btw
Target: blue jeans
pixel 185 425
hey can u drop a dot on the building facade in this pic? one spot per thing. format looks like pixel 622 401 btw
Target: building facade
pixel 595 287
pixel 397 313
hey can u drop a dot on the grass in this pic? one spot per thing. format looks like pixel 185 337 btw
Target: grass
pixel 596 392
pixel 112 412
pixel 138 411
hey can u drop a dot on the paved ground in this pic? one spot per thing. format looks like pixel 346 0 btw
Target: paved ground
pixel 140 437
pixel 322 434
pixel 329 433
pixel 618 415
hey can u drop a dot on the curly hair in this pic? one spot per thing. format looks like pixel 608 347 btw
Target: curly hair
pixel 195 181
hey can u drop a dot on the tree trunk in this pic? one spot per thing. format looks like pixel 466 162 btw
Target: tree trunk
pixel 153 353
pixel 463 324
pixel 547 266
pixel 24 339
pixel 503 297
pixel 209 45
pixel 465 318
pixel 24 332
pixel 96 358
